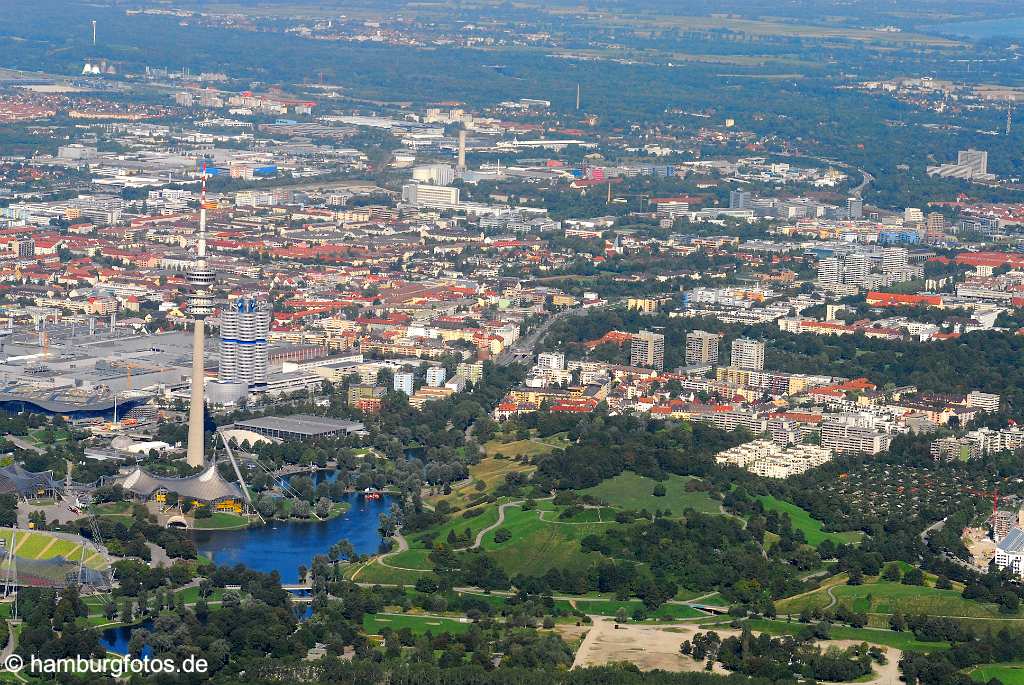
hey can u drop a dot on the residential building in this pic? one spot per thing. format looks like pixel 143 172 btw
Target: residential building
pixel 985 401
pixel 551 360
pixel 1010 549
pixel 769 459
pixel 404 382
pixel 436 376
pixel 701 348
pixel 853 433
pixel 854 208
pixel 748 354
pixel 647 350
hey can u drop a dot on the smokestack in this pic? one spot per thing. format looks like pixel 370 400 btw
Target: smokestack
pixel 94 33
pixel 92 325
pixel 462 149
pixel 577 97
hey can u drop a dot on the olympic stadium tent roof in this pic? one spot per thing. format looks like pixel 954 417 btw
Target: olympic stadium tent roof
pixel 208 486
pixel 15 478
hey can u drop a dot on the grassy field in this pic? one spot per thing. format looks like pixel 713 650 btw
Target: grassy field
pixel 412 558
pixel 631 491
pixel 813 529
pixel 538 545
pixel 903 641
pixel 1008 674
pixel 222 520
pixel 531 447
pixel 374 623
pixel 884 597
pixel 459 524
pixel 609 607
pixel 374 572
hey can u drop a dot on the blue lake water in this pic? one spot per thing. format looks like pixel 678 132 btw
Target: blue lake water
pixel 116 639
pixel 985 28
pixel 283 546
pixel 318 476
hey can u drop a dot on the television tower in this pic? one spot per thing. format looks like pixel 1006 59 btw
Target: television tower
pixel 94 33
pixel 200 305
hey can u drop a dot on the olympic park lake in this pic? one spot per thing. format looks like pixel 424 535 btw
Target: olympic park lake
pixel 283 546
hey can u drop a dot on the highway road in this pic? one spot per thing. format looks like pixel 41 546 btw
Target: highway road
pixel 522 351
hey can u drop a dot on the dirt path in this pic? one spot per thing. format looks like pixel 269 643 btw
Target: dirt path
pixel 832 598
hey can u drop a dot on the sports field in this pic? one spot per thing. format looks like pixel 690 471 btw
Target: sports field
pixel 42 546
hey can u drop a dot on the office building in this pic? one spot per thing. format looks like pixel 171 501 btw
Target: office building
pixel 434 174
pixel 701 348
pixel 430 196
pixel 243 343
pixel 647 350
pixel 739 199
pixel 971 165
pixel 436 376
pixel 748 354
pixel 404 383
pixel 854 208
pixel 673 209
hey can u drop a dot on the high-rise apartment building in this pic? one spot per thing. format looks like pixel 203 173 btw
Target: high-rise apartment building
pixel 894 259
pixel 857 266
pixel 244 327
pixel 404 383
pixel 436 376
pixel 748 354
pixel 647 350
pixel 551 360
pixel 701 348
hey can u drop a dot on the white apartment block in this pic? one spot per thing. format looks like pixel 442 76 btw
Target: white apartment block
pixel 768 459
pixel 551 360
pixel 436 376
pixel 985 401
pixel 858 432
